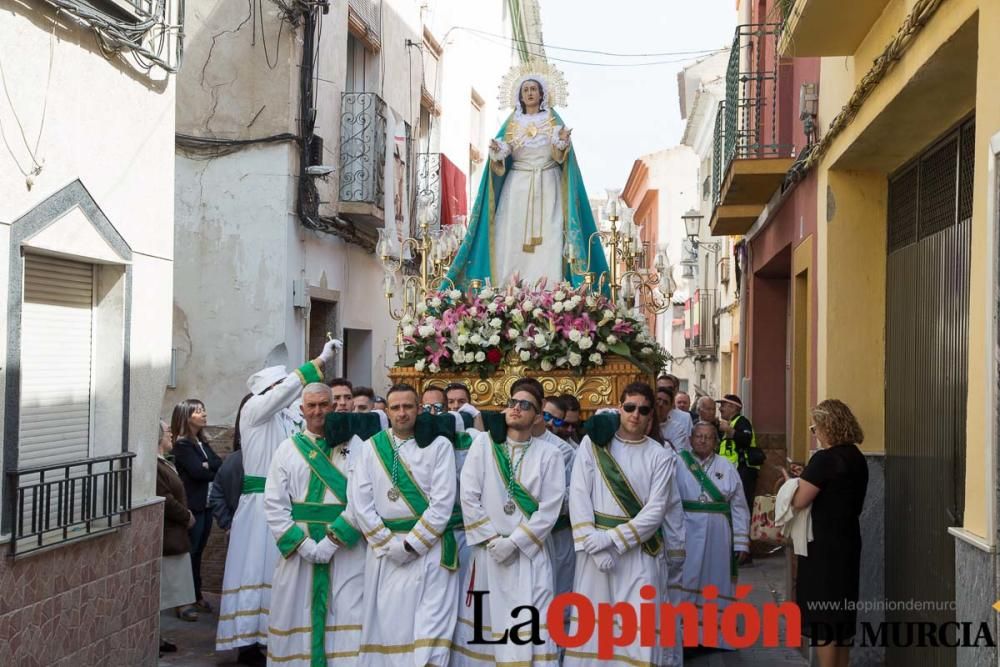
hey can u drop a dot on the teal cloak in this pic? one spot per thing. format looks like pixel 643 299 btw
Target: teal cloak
pixel 474 257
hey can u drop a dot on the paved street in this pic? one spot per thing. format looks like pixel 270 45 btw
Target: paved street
pixel 195 641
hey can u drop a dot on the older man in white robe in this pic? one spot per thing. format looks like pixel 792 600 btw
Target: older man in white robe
pixel 512 490
pixel 402 493
pixel 717 529
pixel 252 555
pixel 618 504
pixel 317 589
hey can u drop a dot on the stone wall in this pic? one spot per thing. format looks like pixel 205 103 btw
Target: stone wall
pixel 94 602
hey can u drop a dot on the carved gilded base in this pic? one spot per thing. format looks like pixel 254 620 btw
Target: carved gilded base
pixel 598 388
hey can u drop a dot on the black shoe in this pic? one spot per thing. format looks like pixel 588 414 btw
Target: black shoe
pixel 252 656
pixel 167 646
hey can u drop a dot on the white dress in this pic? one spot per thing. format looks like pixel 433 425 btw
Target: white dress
pixel 527 579
pixel 292 595
pixel 708 541
pixel 650 473
pixel 528 231
pixel 409 610
pixel 253 553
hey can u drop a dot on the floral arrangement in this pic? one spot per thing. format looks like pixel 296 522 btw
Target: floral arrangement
pixel 565 328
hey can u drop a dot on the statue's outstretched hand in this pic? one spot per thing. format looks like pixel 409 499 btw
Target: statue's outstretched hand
pixel 494 146
pixel 564 133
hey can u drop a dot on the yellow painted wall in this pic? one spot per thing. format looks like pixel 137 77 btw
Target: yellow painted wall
pixel 980 453
pixel 851 295
pixel 802 338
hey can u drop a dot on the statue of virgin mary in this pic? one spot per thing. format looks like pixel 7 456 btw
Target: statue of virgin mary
pixel 532 213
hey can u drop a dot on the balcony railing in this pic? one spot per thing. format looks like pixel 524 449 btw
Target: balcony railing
pixel 429 187
pixel 701 327
pixel 65 502
pixel 747 124
pixel 362 149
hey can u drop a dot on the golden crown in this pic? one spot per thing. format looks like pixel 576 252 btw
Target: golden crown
pixel 552 80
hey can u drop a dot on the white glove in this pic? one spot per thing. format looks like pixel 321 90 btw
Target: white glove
pixel 329 349
pixel 605 560
pixel 307 550
pixel 599 540
pixel 502 550
pixel 398 553
pixel 325 549
pixel 469 409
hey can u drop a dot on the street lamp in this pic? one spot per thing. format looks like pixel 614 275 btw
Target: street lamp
pixel 692 227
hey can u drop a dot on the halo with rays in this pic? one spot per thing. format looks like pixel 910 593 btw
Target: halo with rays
pixel 552 80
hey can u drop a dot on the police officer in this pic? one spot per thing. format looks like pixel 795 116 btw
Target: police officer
pixel 739 444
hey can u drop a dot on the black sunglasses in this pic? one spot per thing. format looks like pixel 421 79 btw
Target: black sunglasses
pixel 550 419
pixel 433 408
pixel 644 410
pixel 521 403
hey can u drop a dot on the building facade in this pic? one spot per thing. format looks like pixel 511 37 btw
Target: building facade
pixel 906 289
pixel 86 247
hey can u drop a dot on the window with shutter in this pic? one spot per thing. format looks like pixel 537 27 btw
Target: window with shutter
pixel 56 361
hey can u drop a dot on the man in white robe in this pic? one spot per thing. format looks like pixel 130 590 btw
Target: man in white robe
pixel 675 425
pixel 511 495
pixel 618 503
pixel 252 554
pixel 317 589
pixel 402 495
pixel 717 529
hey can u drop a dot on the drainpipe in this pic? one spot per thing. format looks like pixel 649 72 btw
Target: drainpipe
pixel 744 315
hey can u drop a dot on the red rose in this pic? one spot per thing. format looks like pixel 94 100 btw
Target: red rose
pixel 494 355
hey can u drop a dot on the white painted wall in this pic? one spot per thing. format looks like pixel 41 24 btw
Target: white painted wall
pixel 113 129
pixel 240 244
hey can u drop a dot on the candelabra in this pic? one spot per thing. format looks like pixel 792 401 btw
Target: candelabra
pixel 434 249
pixel 628 279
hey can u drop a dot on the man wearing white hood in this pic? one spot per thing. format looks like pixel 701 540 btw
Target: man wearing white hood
pixel 253 554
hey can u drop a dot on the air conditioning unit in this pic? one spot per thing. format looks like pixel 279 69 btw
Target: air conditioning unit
pixel 724 270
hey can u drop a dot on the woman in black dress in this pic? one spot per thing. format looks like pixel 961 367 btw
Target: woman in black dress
pixel 834 483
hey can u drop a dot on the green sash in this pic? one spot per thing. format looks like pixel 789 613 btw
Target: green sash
pixel 414 497
pixel 719 504
pixel 327 473
pixel 463 441
pixel 522 497
pixel 615 478
pixel 253 484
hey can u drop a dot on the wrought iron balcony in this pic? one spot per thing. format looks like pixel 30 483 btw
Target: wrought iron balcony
pixel 362 157
pixel 751 155
pixel 66 502
pixel 429 187
pixel 701 326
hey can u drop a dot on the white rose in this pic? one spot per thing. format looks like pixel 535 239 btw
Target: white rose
pixel 586 343
pixel 421 308
pixel 559 296
pixel 509 301
pixel 596 358
pixel 475 339
pixel 435 302
pixel 561 361
pixel 406 320
pixel 480 356
pixel 512 333
pixel 527 305
pixel 525 355
pixel 433 368
pixel 546 365
pixel 601 347
pixel 492 308
pixel 459 357
pixel 557 307
pixel 495 339
pixel 539 340
pixel 463 339
pixel 537 313
pixel 426 330
pixel 574 335
pixel 473 311
pixel 612 339
pixel 647 350
pixel 486 294
pixel 496 323
pixel 455 294
pixel 409 330
pixel 419 366
pixel 574 359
